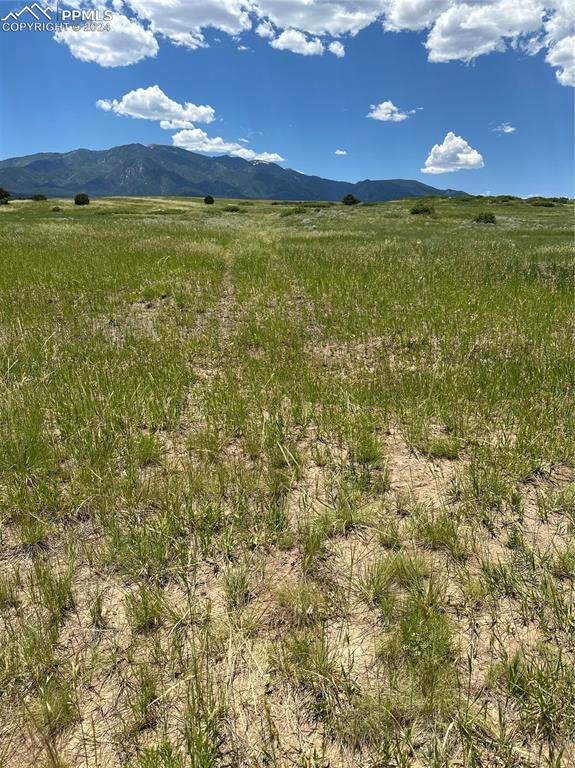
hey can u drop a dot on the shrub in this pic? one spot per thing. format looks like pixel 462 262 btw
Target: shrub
pixel 208 200
pixel 56 208
pixel 293 211
pixel 4 195
pixel 38 198
pixel 485 217
pixel 422 209
pixel 81 199
pixel 350 200
pixel 231 209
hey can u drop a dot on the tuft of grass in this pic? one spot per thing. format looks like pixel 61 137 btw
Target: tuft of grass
pixel 145 608
pixel 303 604
pixel 441 530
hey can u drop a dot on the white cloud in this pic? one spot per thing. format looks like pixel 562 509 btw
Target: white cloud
pixel 562 55
pixel 454 154
pixel 387 112
pixel 341 152
pixel 265 29
pixel 457 30
pixel 153 104
pixel 337 49
pixel 197 140
pixel 183 21
pixel 465 31
pixel 296 42
pixel 504 128
pixel 127 42
pixel 320 17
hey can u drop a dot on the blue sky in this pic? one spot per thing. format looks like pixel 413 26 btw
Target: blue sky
pixel 266 96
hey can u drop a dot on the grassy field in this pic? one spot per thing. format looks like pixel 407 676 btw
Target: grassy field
pixel 286 485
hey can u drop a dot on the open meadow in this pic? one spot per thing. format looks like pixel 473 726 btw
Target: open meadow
pixel 286 485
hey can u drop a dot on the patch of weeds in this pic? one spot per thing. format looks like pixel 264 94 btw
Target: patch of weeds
pixel 163 756
pixel 142 701
pixel 441 530
pixel 237 587
pixel 145 609
pixel 147 450
pixel 303 604
pixel 54 707
pixel 444 447
pixel 204 715
pixel 563 565
pixel 308 661
pixel 422 644
pixel 10 585
pixel 312 544
pixel 51 587
pixel 379 581
pixel 543 687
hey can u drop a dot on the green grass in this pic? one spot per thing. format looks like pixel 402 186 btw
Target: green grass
pixel 286 484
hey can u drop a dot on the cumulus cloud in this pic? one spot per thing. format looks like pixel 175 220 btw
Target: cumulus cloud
pixel 341 152
pixel 196 140
pixel 466 31
pixel 454 154
pixel 127 42
pixel 387 112
pixel 337 49
pixel 295 41
pixel 153 104
pixel 183 21
pixel 504 128
pixel 456 30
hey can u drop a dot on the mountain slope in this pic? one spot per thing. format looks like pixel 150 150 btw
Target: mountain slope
pixel 135 169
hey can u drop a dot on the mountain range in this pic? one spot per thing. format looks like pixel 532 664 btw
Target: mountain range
pixel 135 169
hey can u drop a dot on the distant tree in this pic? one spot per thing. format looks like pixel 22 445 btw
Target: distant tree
pixel 422 209
pixel 4 195
pixel 81 199
pixel 350 200
pixel 208 200
pixel 38 198
pixel 485 217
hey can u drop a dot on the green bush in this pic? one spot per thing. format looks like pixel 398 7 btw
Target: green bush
pixel 350 200
pixel 81 199
pixel 56 208
pixel 38 198
pixel 208 200
pixel 422 209
pixel 485 217
pixel 231 209
pixel 293 211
